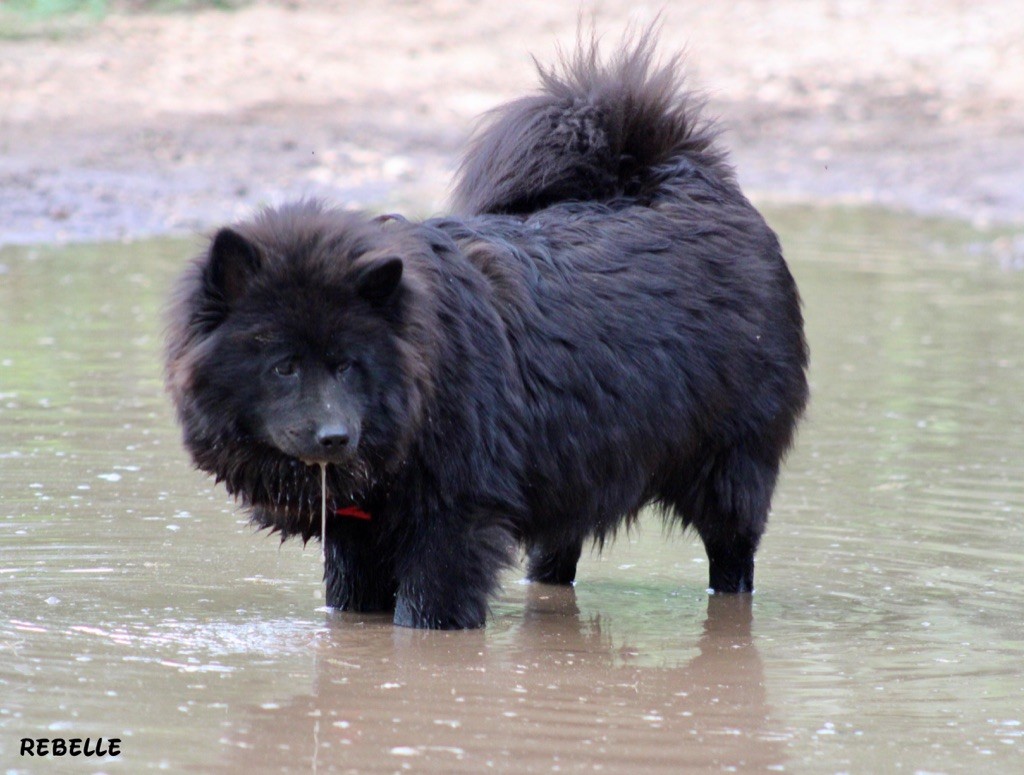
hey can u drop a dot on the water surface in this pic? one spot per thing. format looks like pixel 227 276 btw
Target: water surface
pixel 886 633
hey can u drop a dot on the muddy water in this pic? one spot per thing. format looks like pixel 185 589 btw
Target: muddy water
pixel 886 633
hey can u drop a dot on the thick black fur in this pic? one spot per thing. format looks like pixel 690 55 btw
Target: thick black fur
pixel 607 323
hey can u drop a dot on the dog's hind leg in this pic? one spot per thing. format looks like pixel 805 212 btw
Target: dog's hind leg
pixel 728 504
pixel 731 565
pixel 554 566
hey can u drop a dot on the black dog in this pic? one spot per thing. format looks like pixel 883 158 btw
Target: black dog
pixel 608 323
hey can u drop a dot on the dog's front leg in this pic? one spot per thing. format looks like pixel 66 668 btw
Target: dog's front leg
pixel 356 571
pixel 447 576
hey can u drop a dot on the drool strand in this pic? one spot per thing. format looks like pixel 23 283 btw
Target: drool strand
pixel 323 512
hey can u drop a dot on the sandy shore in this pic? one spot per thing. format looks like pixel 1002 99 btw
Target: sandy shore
pixel 171 124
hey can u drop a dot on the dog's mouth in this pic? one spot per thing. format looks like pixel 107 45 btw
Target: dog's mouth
pixel 317 462
pixel 342 456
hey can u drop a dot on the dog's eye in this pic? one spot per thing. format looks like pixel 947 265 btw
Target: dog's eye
pixel 343 365
pixel 287 368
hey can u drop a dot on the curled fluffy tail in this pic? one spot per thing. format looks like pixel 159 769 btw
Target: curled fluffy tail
pixel 596 131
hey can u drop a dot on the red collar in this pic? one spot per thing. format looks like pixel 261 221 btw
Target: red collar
pixel 353 511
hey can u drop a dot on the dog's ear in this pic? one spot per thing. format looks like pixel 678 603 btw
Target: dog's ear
pixel 377 280
pixel 234 261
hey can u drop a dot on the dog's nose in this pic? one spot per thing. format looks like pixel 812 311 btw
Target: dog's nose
pixel 332 437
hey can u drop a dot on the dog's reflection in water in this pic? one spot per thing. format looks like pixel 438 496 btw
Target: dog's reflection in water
pixel 561 686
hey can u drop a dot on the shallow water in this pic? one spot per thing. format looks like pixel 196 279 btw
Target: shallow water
pixel 886 633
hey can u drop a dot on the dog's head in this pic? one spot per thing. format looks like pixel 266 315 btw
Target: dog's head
pixel 298 339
